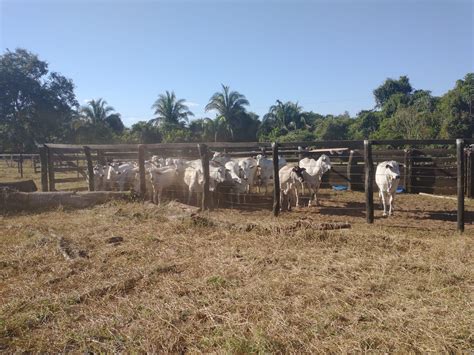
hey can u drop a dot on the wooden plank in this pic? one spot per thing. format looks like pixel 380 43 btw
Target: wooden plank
pixel 276 181
pixel 114 147
pixel 369 191
pixel 327 150
pixel 50 170
pixel 71 147
pixel 90 168
pixel 460 184
pixel 323 144
pixel 437 196
pixel 204 155
pixel 65 180
pixel 213 145
pixel 401 142
pixel 67 157
pixel 44 168
pixel 470 175
pixel 68 169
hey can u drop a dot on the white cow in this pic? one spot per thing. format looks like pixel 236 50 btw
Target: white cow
pixel 315 170
pixel 265 170
pixel 194 177
pixel 122 176
pixel 161 178
pixel 387 177
pixel 291 178
pixel 235 178
pixel 100 173
pixel 158 161
pixel 220 157
pixel 247 170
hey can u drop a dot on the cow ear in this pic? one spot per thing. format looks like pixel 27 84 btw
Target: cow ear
pixel 387 166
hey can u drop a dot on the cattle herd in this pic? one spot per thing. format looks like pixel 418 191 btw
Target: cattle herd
pixel 238 175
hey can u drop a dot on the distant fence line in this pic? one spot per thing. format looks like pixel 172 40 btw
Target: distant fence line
pixel 446 170
pixel 18 159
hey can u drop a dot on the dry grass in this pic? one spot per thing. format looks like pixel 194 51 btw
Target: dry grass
pixel 176 285
pixel 10 173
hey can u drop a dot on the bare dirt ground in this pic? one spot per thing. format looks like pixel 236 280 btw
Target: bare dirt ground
pixel 134 276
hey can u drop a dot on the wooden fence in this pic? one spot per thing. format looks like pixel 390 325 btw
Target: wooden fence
pixel 17 160
pixel 432 166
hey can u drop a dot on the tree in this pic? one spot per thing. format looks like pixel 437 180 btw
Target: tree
pixel 230 107
pixel 143 132
pixel 114 121
pixel 203 130
pixel 97 122
pixel 457 109
pixel 365 125
pixel 36 105
pixel 334 128
pixel 96 112
pixel 288 116
pixel 391 87
pixel 170 111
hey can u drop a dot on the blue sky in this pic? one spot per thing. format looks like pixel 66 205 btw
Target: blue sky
pixel 328 55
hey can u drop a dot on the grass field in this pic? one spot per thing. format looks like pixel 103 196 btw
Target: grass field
pixel 235 281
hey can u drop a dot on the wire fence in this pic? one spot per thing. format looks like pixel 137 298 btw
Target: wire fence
pixel 432 170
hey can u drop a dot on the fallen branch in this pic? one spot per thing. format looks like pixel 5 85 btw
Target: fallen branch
pixel 437 196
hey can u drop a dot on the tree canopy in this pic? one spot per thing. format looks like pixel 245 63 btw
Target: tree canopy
pixel 38 105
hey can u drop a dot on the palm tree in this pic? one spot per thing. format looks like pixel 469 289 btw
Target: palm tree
pixel 230 106
pixel 96 112
pixel 169 110
pixel 288 116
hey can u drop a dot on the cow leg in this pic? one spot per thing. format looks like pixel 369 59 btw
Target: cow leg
pixel 297 197
pixel 189 196
pixel 384 204
pixel 312 196
pixel 158 198
pixel 391 198
pixel 282 201
pixel 153 195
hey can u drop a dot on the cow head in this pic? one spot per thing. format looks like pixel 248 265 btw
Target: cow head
pixel 392 170
pixel 325 163
pixel 259 158
pixel 299 173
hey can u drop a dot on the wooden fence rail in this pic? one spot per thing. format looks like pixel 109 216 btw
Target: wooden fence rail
pixel 445 166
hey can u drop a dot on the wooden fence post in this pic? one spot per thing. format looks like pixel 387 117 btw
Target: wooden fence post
pixel 407 170
pixel 349 170
pixel 50 156
pixel 20 162
pixel 470 175
pixel 141 169
pixel 369 182
pixel 90 168
pixel 460 183
pixel 276 181
pixel 44 168
pixel 204 155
